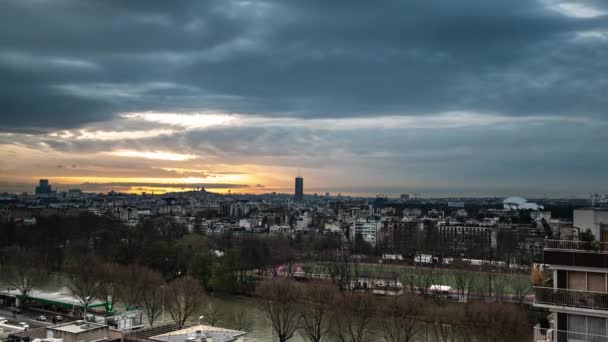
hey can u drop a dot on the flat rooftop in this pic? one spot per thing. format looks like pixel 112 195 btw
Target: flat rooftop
pixel 77 327
pixel 217 334
pixel 54 298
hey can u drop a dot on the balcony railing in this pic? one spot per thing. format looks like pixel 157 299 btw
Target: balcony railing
pixel 578 246
pixel 571 298
pixel 546 335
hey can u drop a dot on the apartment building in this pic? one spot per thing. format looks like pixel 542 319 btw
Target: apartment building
pixel 466 239
pixel 576 295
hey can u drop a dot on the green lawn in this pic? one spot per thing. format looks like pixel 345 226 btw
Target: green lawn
pixel 443 276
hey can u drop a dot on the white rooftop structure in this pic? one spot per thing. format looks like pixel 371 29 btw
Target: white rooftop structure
pixel 519 203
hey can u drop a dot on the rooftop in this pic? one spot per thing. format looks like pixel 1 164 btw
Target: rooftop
pixel 215 333
pixel 55 298
pixel 77 327
pixel 175 333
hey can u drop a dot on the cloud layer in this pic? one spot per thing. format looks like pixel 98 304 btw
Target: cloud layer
pixel 438 95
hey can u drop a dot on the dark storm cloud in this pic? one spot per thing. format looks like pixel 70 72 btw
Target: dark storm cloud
pixel 65 63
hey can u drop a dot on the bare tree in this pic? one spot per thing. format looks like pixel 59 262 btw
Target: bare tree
pixel 133 288
pixel 521 286
pixel 83 282
pixel 341 273
pixel 22 273
pixel 213 314
pixel 152 294
pixel 279 304
pixel 500 283
pixel 184 296
pixel 241 321
pixel 111 277
pixel 492 322
pixel 403 320
pixel 409 277
pixel 442 323
pixel 426 278
pixel 463 280
pixel 315 315
pixel 352 317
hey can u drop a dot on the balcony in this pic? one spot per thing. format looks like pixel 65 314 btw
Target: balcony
pixel 577 246
pixel 546 335
pixel 548 296
pixel 576 253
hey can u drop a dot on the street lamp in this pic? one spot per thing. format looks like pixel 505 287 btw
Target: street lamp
pixel 200 318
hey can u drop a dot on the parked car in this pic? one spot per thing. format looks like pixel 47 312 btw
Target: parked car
pixel 58 318
pixel 24 325
pixel 41 318
pixel 3 320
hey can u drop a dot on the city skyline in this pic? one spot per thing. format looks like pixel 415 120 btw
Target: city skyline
pixel 467 99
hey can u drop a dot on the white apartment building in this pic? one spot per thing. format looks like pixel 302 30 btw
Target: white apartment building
pixel 367 229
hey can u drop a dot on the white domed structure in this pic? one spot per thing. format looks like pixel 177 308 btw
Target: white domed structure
pixel 519 203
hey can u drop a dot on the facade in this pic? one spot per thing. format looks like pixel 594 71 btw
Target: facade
pixel 576 294
pixel 594 219
pixel 299 194
pixel 473 239
pixel 77 331
pixel 366 230
pixel 400 237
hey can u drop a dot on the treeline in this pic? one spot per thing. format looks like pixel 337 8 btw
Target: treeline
pixel 320 312
pixel 225 263
pixel 90 279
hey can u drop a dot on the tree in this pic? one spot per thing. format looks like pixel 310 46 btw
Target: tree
pixel 463 280
pixel 279 302
pixel 500 282
pixel 133 288
pixel 341 273
pixel 111 279
pixel 352 317
pixel 315 315
pixel 201 267
pixel 240 320
pixel 409 277
pixel 521 286
pixel 152 294
pixel 83 282
pixel 442 323
pixel 403 319
pixel 184 296
pixel 213 314
pixel 492 322
pixel 22 272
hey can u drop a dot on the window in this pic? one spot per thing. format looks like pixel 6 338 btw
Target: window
pixel 596 282
pixel 577 280
pixel 586 328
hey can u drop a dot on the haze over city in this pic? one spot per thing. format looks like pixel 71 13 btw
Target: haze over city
pixel 465 98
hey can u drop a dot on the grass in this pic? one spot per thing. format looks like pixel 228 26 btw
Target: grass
pixel 444 276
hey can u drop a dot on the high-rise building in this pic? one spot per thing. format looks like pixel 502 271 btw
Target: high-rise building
pixel 299 188
pixel 44 188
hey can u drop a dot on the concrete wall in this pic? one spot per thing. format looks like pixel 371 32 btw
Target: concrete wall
pixel 590 219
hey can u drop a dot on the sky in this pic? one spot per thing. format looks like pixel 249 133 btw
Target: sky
pixel 443 97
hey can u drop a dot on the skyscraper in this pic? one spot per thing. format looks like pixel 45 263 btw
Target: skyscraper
pixel 44 188
pixel 299 188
